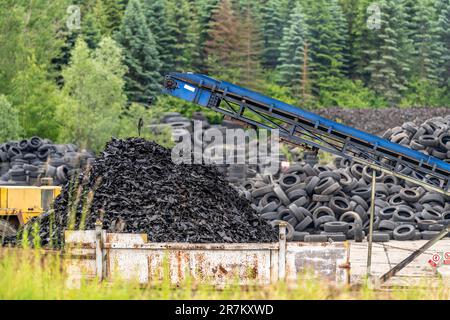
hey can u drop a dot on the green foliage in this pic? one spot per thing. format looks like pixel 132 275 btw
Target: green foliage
pixel 422 92
pixel 172 104
pixel 387 67
pixel 443 31
pixel 94 95
pixel 141 55
pixel 272 31
pixel 336 92
pixel 184 29
pixel 293 65
pixel 10 128
pixel 36 97
pixel 156 17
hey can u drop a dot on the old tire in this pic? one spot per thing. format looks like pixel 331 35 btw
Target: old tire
pixel 7 229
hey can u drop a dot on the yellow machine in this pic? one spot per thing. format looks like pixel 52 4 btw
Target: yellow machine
pixel 18 205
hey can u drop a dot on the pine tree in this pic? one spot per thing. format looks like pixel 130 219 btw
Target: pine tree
pixel 250 49
pixel 292 58
pixel 223 44
pixel 205 10
pixel 272 30
pixel 141 56
pixel 443 31
pixel 326 40
pixel 114 11
pixel 425 39
pixel 157 21
pixel 184 29
pixel 386 66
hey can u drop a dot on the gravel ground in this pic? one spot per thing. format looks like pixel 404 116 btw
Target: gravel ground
pixel 377 121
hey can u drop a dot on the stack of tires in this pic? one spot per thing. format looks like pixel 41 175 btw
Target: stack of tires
pixel 227 163
pixel 331 202
pixel 27 161
pixel 326 202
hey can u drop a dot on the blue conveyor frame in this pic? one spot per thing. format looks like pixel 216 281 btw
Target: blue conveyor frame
pixel 301 127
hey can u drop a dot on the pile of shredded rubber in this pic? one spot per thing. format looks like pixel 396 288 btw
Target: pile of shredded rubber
pixel 134 187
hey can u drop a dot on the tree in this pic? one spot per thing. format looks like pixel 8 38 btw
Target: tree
pixel 36 98
pixel 443 31
pixel 203 19
pixel 386 67
pixel 28 27
pixel 250 43
pixel 10 128
pixel 94 95
pixel 141 56
pixel 292 59
pixel 222 46
pixel 423 31
pixel 114 11
pixel 326 40
pixel 156 17
pixel 272 30
pixel 184 29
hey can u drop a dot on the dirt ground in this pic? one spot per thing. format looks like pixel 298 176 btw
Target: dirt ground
pixel 376 121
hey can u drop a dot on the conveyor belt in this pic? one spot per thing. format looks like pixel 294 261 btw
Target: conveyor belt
pixel 300 127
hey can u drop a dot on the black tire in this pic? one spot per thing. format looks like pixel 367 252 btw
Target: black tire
pixel 363 203
pixel 357 170
pixel 428 235
pixel 270 215
pixel 363 192
pixel 380 237
pixel 311 185
pixel 299 236
pixel 409 195
pixel 320 222
pixel 432 197
pixel 62 173
pixel 323 211
pixel 358 233
pixel 296 212
pixel 396 200
pixel 424 225
pixel 387 213
pixel 428 140
pixel 330 174
pixel 281 195
pixel 404 232
pixel 323 184
pixel 316 238
pixel 404 214
pixel 386 225
pixel 35 143
pixel 7 229
pixel 335 236
pixel 304 224
pixel 297 194
pixel 301 202
pixel 268 198
pixel 351 217
pixel 321 198
pixel 431 214
pixel 333 189
pixel 270 207
pixel 436 227
pixel 288 180
pixel 339 205
pixel 336 226
pixel 261 191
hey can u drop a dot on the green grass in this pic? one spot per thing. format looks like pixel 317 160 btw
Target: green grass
pixel 37 274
